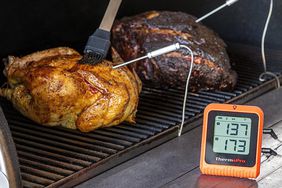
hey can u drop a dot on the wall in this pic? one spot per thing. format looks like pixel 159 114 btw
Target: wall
pixel 28 25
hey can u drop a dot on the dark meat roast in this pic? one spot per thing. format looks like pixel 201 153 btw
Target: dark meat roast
pixel 137 35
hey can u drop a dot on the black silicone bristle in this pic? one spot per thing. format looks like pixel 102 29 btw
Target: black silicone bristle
pixel 91 58
pixel 97 47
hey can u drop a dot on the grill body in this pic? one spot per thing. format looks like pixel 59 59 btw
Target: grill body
pixel 58 157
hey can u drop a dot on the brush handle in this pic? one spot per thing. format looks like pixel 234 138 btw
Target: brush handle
pixel 110 15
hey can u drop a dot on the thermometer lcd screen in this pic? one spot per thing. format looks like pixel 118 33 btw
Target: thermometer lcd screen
pixel 232 135
pixel 231 138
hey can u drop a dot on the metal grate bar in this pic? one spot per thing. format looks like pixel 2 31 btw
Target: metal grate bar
pixel 46 160
pixel 104 152
pixel 138 129
pixel 27 184
pixel 41 173
pixel 44 151
pixel 105 147
pixel 36 179
pixel 119 136
pixel 54 146
pixel 45 167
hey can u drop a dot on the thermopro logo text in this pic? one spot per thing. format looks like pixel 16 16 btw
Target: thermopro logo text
pixel 237 160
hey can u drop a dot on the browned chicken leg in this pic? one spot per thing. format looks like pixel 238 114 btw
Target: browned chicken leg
pixel 51 88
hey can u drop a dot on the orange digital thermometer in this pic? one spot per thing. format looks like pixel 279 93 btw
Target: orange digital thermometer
pixel 231 140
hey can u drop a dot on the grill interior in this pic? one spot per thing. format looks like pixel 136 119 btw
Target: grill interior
pixel 58 157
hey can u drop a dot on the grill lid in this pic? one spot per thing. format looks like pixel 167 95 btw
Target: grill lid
pixel 9 165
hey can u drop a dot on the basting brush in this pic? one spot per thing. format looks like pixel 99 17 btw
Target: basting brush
pixel 98 43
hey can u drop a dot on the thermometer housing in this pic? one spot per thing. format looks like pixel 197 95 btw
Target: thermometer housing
pixel 231 140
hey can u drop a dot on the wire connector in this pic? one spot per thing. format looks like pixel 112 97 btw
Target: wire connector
pixel 263 77
pixel 271 133
pixel 269 151
pixel 230 2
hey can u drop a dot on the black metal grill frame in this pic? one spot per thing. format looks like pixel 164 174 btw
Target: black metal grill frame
pixel 58 157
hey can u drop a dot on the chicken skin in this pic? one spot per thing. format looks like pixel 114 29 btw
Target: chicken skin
pixel 52 88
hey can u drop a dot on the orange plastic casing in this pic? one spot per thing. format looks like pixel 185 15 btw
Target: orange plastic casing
pixel 224 170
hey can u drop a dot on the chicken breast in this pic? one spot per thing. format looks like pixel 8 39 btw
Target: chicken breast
pixel 52 88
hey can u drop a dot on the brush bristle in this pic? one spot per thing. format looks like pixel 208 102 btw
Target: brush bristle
pixel 91 58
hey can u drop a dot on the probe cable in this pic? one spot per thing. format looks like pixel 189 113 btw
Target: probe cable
pixel 186 89
pixel 161 51
pixel 262 75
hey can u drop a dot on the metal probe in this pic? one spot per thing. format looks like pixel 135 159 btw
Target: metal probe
pixel 152 54
pixel 161 51
pixel 227 3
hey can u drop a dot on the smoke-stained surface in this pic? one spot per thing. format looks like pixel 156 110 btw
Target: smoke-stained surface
pixel 29 25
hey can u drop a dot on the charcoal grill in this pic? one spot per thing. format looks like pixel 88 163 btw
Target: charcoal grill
pixel 58 157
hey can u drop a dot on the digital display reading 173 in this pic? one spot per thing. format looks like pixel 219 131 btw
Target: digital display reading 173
pixel 232 135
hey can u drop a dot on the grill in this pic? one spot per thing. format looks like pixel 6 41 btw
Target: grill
pixel 58 157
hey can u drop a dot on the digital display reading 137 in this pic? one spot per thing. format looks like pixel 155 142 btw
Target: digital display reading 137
pixel 232 135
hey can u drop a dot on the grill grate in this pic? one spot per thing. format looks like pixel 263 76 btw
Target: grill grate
pixel 58 157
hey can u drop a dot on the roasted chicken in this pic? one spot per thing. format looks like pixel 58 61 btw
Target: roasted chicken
pixel 52 88
pixel 137 35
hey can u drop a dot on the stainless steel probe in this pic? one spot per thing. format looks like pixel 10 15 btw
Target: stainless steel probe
pixel 227 3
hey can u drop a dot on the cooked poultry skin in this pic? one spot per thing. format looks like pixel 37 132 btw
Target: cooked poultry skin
pixel 52 88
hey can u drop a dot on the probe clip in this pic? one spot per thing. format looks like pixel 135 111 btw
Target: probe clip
pixel 274 136
pixel 271 133
pixel 269 151
pixel 263 78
